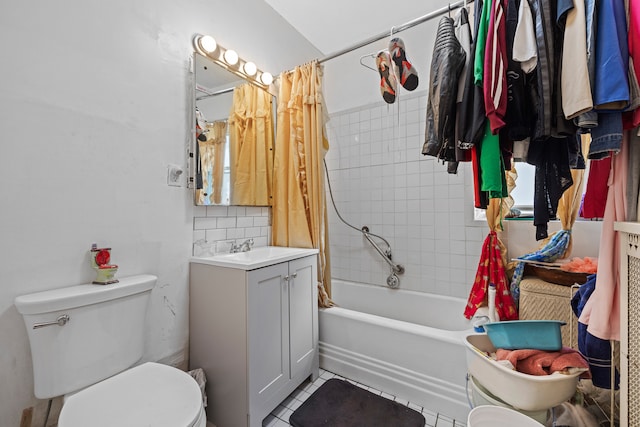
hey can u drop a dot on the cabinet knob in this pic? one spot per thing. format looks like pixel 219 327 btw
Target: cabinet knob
pixel 294 275
pixel 286 278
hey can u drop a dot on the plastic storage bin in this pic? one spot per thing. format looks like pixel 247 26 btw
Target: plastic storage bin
pixel 534 334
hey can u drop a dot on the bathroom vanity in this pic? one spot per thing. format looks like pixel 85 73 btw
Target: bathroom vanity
pixel 253 323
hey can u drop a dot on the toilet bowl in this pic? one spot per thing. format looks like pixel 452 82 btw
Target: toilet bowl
pixel 86 343
pixel 150 394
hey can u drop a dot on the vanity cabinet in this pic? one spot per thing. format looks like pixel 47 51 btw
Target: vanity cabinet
pixel 255 334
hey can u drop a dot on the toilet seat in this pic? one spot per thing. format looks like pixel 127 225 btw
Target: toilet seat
pixel 150 394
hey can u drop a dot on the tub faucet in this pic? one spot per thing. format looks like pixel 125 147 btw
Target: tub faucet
pixel 242 247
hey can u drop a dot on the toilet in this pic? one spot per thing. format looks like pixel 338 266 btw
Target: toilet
pixel 86 342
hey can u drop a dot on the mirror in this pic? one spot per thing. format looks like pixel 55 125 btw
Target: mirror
pixel 233 148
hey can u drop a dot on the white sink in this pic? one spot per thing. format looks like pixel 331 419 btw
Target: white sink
pixel 256 257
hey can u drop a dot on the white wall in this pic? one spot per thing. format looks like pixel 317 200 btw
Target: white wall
pixel 380 179
pixel 95 101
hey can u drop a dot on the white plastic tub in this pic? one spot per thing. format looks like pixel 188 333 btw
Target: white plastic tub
pixel 481 397
pixel 497 416
pixel 522 391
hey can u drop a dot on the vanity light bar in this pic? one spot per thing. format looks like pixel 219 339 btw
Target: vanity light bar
pixel 229 59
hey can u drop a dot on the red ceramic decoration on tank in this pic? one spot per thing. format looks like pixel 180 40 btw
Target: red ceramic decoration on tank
pixel 103 257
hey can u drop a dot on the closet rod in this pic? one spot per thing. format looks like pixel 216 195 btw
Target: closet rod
pixel 406 26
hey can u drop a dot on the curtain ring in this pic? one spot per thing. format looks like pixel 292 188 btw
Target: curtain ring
pixel 391 33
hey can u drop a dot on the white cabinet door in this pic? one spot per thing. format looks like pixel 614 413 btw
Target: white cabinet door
pixel 268 324
pixel 303 315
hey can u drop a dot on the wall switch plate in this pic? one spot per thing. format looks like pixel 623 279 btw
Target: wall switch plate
pixel 174 175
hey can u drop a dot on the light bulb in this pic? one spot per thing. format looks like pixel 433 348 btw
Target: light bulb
pixel 266 78
pixel 208 44
pixel 231 57
pixel 250 68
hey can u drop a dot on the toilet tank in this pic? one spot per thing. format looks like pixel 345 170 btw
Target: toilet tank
pixel 103 336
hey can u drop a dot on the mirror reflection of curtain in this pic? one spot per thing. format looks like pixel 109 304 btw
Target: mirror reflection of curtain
pixel 211 153
pixel 251 146
pixel 299 204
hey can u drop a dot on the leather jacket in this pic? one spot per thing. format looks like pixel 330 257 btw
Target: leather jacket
pixel 446 66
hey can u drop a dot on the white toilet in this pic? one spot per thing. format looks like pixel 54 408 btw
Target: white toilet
pixel 84 341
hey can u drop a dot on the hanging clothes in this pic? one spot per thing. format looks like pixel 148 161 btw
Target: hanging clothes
pixel 595 197
pixel 525 50
pixel 471 112
pixel 552 177
pixel 602 312
pixel 463 34
pixel 633 177
pixel 519 112
pixel 493 180
pixel 495 68
pixel 612 56
pixel 446 66
pixel 632 118
pixel 575 83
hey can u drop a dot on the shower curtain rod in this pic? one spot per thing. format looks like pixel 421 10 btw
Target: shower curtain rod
pixel 406 26
pixel 220 92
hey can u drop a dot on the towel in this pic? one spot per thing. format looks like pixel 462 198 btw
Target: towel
pixel 541 362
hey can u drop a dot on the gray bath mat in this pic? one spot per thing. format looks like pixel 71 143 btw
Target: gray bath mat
pixel 338 403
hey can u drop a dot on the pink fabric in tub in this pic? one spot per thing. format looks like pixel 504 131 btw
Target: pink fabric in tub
pixel 540 362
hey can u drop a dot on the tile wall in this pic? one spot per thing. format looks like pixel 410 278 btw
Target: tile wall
pixel 216 227
pixel 380 179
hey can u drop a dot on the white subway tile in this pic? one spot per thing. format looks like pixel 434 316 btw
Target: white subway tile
pixel 244 221
pixel 227 222
pixel 204 223
pixel 235 233
pixel 216 234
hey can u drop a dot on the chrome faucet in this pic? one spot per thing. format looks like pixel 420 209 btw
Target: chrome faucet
pixel 242 247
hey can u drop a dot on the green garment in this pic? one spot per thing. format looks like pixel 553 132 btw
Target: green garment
pixel 481 38
pixel 492 165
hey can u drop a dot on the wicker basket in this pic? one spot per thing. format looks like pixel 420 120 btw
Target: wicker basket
pixel 541 300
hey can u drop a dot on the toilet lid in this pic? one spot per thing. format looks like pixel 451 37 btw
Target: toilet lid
pixel 151 394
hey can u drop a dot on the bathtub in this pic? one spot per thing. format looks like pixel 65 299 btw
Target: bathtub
pixel 409 344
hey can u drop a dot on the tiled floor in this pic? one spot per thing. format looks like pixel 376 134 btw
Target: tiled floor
pixel 280 416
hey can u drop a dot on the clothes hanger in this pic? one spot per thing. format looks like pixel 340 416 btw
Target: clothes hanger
pixel 368 55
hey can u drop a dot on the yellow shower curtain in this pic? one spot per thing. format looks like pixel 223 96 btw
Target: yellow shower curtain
pixel 251 146
pixel 299 204
pixel 211 154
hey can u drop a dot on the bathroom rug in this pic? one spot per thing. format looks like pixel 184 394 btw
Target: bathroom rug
pixel 338 403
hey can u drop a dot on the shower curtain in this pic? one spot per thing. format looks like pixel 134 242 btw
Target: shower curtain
pixel 211 153
pixel 251 146
pixel 299 204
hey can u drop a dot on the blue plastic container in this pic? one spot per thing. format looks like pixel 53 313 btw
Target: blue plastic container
pixel 519 334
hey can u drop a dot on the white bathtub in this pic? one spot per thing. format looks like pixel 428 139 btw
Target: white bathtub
pixel 406 343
